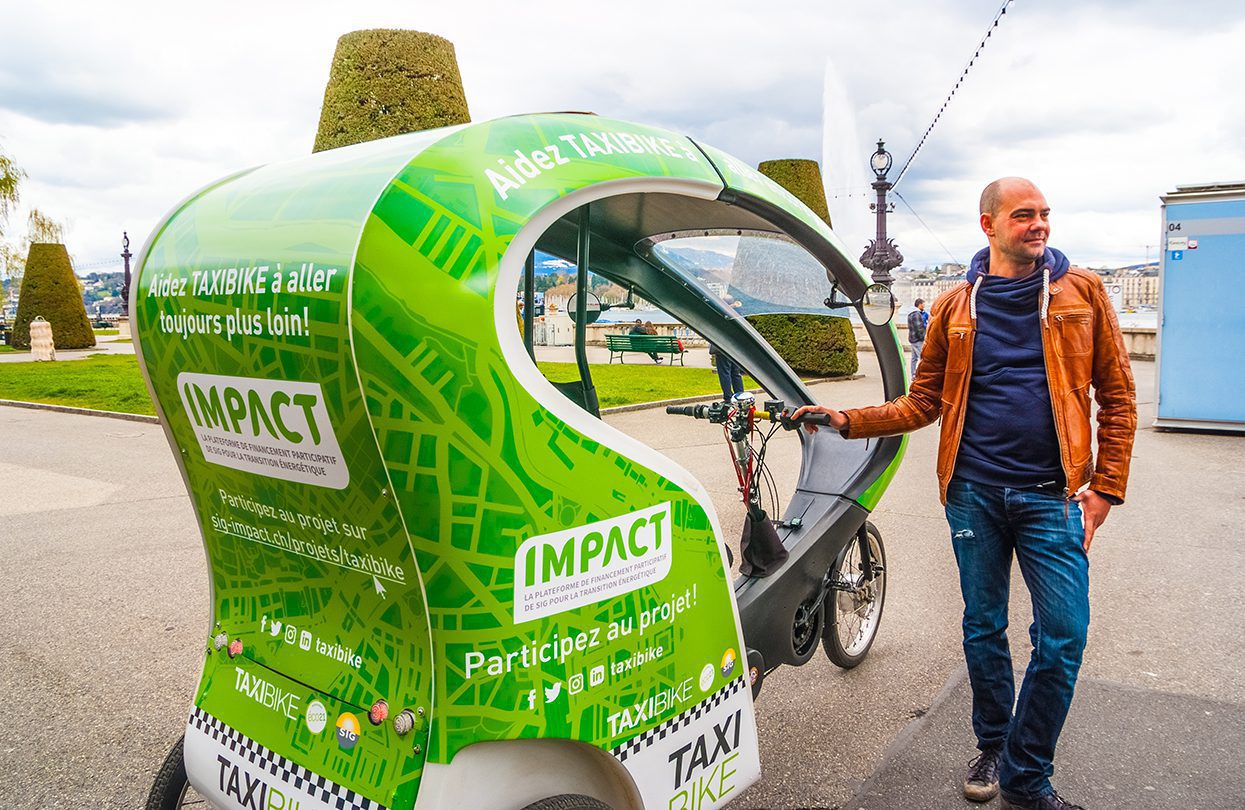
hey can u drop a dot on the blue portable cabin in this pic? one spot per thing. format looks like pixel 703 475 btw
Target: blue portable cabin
pixel 1201 334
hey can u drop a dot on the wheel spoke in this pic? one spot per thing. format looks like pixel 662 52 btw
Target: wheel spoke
pixel 858 600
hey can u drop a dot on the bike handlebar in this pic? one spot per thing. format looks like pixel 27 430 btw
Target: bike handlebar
pixel 716 412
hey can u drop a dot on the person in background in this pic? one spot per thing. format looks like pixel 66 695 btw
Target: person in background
pixel 917 320
pixel 646 328
pixel 730 375
pixel 1010 359
pixel 642 328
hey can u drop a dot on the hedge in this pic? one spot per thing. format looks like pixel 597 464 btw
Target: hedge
pixel 815 345
pixel 802 178
pixel 389 82
pixel 50 289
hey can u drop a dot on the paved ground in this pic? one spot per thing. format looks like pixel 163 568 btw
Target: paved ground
pixel 103 595
pixel 105 344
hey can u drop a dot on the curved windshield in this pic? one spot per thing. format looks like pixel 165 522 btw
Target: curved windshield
pixel 754 272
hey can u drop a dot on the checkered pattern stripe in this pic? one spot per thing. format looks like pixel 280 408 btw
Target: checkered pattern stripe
pixel 291 774
pixel 637 744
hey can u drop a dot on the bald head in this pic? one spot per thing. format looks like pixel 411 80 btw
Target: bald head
pixel 1016 219
pixel 993 194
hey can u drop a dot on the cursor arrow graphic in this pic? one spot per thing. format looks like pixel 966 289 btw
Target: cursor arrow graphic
pixel 380 589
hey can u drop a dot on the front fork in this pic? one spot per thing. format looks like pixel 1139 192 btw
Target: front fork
pixel 834 582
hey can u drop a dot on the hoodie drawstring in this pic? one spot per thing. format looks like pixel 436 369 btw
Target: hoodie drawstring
pixel 1042 310
pixel 1045 292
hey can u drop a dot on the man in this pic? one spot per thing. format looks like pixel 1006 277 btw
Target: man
pixel 1010 358
pixel 917 319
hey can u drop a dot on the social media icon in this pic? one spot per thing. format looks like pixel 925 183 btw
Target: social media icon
pixel 531 699
pixel 275 629
pixel 291 634
pixel 575 683
pixel 552 692
pixel 596 676
pixel 304 640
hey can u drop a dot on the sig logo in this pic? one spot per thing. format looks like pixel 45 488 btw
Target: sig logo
pixel 316 717
pixel 348 730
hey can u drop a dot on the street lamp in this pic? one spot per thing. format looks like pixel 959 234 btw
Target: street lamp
pixel 881 254
pixel 125 289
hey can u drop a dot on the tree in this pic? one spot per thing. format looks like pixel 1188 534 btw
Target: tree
pixel 39 228
pixel 390 82
pixel 803 179
pixel 42 228
pixel 10 193
pixel 810 344
pixel 51 290
pixel 10 188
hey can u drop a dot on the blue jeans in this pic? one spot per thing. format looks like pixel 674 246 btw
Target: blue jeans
pixel 917 348
pixel 730 377
pixel 1045 532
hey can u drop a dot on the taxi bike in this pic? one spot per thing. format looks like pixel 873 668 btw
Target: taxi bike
pixel 439 579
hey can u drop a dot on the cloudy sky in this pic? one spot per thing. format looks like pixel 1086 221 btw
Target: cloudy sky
pixel 117 111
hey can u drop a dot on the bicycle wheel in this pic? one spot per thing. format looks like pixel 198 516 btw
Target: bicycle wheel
pixel 171 790
pixel 854 607
pixel 568 801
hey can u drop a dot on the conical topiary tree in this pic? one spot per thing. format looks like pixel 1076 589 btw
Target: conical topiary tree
pixel 50 290
pixel 810 344
pixel 388 82
pixel 803 179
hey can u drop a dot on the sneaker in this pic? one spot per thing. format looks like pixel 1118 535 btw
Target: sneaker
pixel 981 783
pixel 1051 801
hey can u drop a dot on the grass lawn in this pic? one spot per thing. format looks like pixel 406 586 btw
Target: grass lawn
pixel 100 382
pixel 106 332
pixel 622 384
pixel 113 383
pixel 4 349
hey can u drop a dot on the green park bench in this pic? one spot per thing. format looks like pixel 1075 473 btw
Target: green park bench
pixel 647 344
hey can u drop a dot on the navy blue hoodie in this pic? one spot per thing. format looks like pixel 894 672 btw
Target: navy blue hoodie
pixel 1009 430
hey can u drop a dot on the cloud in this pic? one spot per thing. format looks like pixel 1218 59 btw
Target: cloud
pixel 117 116
pixel 67 99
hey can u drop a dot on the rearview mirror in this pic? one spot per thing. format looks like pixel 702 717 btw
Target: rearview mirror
pixel 592 310
pixel 877 307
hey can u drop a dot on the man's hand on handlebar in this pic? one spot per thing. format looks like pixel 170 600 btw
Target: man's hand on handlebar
pixel 833 418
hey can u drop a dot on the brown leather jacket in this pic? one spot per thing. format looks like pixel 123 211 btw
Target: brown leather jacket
pixel 1083 346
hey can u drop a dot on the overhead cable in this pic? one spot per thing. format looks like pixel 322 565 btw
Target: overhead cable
pixel 963 75
pixel 928 229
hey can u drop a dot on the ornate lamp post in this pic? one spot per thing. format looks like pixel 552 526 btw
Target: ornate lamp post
pixel 882 254
pixel 125 288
